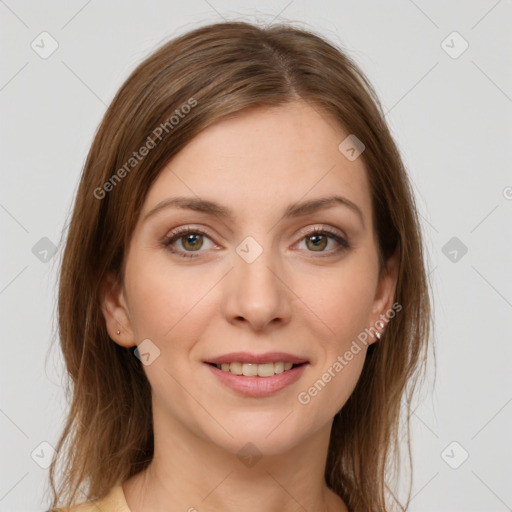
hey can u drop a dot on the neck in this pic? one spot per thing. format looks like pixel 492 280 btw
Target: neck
pixel 189 473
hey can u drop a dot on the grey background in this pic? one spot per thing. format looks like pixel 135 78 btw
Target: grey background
pixel 452 120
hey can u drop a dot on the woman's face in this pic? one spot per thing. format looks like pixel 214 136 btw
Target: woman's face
pixel 256 280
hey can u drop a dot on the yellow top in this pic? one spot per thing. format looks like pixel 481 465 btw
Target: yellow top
pixel 115 501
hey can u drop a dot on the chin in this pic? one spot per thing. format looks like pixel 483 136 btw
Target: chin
pixel 251 434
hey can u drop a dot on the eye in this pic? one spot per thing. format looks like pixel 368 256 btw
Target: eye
pixel 191 240
pixel 318 239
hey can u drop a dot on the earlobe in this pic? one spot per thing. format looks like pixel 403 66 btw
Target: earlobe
pixel 115 312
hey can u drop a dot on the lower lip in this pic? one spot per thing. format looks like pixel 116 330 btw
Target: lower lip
pixel 258 386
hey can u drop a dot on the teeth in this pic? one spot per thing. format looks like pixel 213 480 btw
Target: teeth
pixel 253 370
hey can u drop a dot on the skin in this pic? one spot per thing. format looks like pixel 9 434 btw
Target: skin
pixel 295 297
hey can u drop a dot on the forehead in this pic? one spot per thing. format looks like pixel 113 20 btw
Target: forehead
pixel 262 159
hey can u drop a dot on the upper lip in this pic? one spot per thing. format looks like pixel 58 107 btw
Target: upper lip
pixel 247 357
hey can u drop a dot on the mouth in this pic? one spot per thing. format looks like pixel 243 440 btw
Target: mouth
pixel 265 365
pixel 257 375
pixel 256 370
pixel 256 380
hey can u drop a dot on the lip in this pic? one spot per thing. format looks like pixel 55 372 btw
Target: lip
pixel 257 386
pixel 247 357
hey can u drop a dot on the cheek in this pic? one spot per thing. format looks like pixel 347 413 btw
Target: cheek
pixel 164 304
pixel 345 307
pixel 344 304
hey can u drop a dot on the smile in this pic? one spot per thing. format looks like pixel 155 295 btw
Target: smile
pixel 255 370
pixel 254 385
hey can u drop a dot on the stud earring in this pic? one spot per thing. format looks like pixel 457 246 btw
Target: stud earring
pixel 118 332
pixel 378 335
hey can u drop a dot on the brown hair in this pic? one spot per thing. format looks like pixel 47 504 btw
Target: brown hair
pixel 219 70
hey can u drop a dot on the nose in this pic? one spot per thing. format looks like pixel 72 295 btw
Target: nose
pixel 256 293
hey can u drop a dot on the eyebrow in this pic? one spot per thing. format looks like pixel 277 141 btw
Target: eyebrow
pixel 293 210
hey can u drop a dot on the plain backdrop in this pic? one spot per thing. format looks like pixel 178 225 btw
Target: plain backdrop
pixel 443 72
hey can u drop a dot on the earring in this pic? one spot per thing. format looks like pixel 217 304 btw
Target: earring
pixel 118 332
pixel 378 335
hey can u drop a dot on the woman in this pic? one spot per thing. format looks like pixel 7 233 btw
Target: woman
pixel 243 300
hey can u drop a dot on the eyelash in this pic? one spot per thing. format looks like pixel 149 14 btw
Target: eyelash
pixel 176 235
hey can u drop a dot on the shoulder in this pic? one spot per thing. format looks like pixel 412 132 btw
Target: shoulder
pixel 114 502
pixel 88 506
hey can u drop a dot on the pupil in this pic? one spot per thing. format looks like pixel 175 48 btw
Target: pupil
pixel 190 240
pixel 318 241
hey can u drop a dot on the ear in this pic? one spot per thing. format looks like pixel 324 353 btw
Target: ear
pixel 115 312
pixel 384 296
